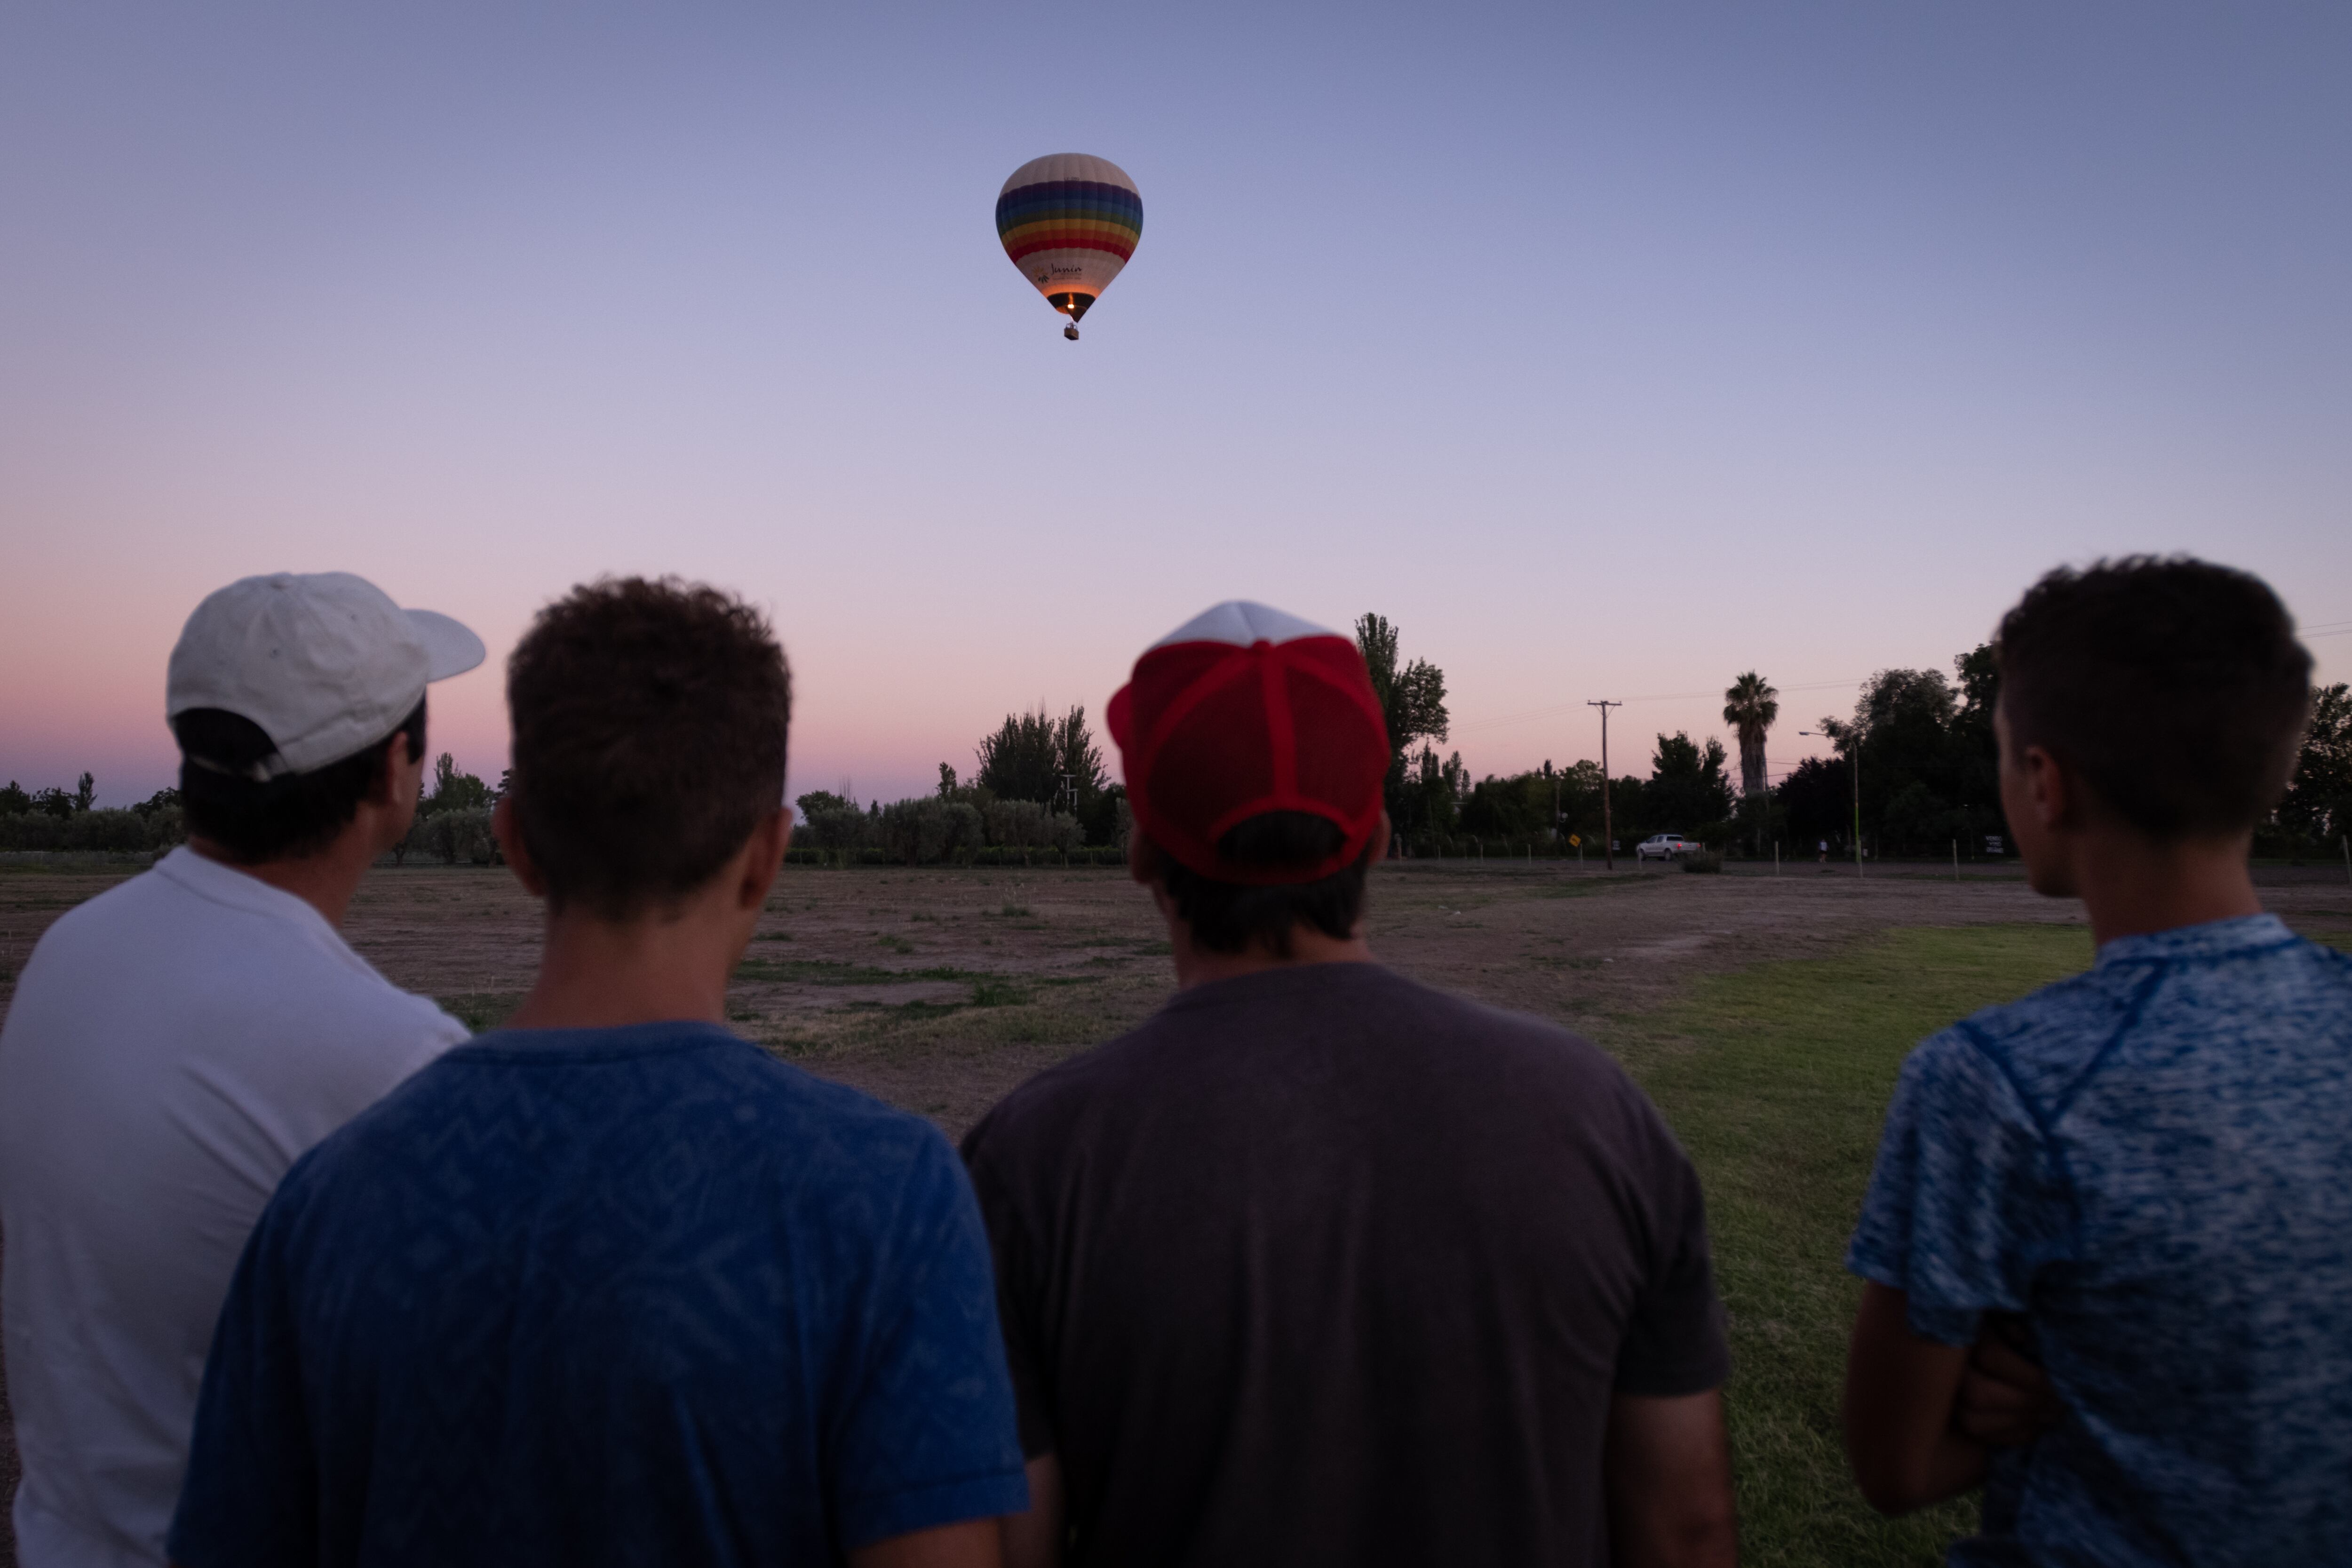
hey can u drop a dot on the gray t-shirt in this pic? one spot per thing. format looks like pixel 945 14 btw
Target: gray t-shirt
pixel 1321 1266
pixel 2153 1164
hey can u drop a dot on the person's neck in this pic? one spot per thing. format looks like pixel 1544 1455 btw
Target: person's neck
pixel 2130 887
pixel 1197 966
pixel 325 880
pixel 654 968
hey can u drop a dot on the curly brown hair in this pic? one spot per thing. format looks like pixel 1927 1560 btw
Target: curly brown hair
pixel 649 721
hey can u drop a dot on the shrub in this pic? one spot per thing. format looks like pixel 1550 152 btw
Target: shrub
pixel 451 836
pixel 32 830
pixel 453 791
pixel 110 830
pixel 930 830
pixel 106 829
pixel 1027 825
pixel 473 841
pixel 837 827
pixel 1096 855
pixel 922 831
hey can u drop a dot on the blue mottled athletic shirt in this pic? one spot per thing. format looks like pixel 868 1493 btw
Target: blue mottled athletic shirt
pixel 570 1298
pixel 2152 1163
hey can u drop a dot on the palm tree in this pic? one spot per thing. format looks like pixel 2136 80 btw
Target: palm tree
pixel 1750 706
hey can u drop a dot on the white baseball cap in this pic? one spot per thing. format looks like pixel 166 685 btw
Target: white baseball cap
pixel 323 661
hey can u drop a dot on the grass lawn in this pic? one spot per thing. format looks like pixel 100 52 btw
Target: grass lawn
pixel 1776 1078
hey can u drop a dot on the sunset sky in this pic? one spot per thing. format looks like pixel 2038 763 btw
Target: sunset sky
pixel 1610 351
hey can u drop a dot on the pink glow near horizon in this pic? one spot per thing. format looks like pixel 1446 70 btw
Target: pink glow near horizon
pixel 878 727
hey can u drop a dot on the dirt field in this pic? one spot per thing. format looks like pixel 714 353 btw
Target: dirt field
pixel 941 990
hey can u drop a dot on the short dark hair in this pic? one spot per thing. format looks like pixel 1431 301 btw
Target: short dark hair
pixel 283 818
pixel 2176 687
pixel 649 730
pixel 1230 917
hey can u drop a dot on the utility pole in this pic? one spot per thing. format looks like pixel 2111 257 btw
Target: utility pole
pixel 1859 734
pixel 1607 843
pixel 1763 804
pixel 1854 765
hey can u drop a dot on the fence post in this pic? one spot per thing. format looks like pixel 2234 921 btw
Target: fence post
pixel 2347 857
pixel 1956 859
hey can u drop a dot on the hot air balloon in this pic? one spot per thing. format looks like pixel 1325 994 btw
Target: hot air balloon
pixel 1069 222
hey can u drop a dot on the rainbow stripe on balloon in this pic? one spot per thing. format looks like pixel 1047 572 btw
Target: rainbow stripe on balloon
pixel 1069 214
pixel 1069 221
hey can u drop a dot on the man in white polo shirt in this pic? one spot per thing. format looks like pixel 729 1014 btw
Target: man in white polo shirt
pixel 178 1042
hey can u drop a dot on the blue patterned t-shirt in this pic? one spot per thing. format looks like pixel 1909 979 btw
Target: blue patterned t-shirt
pixel 2152 1163
pixel 616 1296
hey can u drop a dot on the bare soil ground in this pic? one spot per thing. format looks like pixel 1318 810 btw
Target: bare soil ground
pixel 940 990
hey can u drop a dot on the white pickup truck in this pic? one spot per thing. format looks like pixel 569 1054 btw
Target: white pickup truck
pixel 1665 847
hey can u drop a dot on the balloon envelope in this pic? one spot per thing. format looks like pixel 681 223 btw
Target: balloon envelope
pixel 1069 222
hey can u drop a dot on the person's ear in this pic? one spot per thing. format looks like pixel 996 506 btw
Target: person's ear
pixel 2050 788
pixel 509 833
pixel 390 786
pixel 1380 840
pixel 763 858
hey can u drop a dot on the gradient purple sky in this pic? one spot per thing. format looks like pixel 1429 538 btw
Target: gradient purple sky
pixel 1611 352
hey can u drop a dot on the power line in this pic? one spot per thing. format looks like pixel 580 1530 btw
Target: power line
pixel 1554 710
pixel 1559 708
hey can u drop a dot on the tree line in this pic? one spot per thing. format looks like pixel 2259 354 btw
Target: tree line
pixel 1436 809
pixel 57 818
pixel 1040 785
pixel 453 820
pixel 1929 773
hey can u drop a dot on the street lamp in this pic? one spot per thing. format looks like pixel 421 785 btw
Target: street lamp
pixel 1854 765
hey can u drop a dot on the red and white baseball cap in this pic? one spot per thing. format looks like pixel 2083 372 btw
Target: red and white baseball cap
pixel 1242 711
